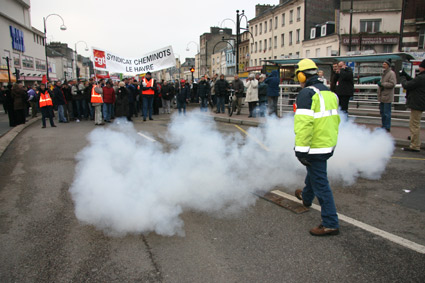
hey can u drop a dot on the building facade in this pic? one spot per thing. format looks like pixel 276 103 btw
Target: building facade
pixel 208 42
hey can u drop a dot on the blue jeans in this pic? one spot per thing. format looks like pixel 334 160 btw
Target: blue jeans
pixel 61 113
pixel 317 185
pixel 147 105
pixel 385 109
pixel 220 104
pixel 181 105
pixel 107 111
pixel 204 104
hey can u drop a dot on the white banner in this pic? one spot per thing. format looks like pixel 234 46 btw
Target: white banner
pixel 151 62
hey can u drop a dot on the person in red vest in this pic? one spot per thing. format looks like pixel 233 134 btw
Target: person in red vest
pixel 149 90
pixel 97 101
pixel 46 105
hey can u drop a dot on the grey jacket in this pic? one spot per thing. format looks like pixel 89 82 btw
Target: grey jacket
pixel 386 90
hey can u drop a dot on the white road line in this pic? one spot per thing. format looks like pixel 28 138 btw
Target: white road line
pixel 146 137
pixel 391 237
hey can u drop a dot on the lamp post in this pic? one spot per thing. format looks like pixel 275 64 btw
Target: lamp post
pixel 8 67
pixel 76 56
pixel 62 27
pixel 199 54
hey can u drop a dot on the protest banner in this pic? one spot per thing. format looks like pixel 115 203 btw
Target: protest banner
pixel 151 62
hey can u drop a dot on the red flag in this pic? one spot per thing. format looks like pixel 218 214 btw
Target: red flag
pixel 44 80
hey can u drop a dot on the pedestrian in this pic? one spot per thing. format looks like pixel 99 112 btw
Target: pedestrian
pixel 322 78
pixel 157 103
pixel 344 85
pixel 272 82
pixel 33 100
pixel 239 89
pixel 59 101
pixel 386 94
pixel 19 102
pixel 77 91
pixel 251 95
pixel 97 101
pixel 416 102
pixel 316 123
pixel 46 105
pixel 89 110
pixel 8 105
pixel 203 93
pixel 122 107
pixel 262 95
pixel 167 93
pixel 132 93
pixel 221 87
pixel 334 77
pixel 183 96
pixel 108 100
pixel 148 93
pixel 68 110
pixel 213 98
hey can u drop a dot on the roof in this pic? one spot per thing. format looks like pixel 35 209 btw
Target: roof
pixel 355 58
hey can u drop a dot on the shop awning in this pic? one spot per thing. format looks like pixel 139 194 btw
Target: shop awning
pixel 4 78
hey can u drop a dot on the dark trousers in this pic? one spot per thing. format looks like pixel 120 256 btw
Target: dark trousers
pixel 252 106
pixel 20 116
pixel 343 102
pixel 47 112
pixel 147 105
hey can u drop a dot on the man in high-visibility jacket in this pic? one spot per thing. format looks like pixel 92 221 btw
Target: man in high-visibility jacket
pixel 149 90
pixel 46 105
pixel 97 101
pixel 316 125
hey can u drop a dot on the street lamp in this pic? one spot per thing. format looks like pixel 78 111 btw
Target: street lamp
pixel 199 53
pixel 62 27
pixel 76 56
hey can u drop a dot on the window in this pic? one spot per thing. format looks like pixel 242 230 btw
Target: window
pixel 28 62
pixel 40 65
pixel 421 42
pixel 275 42
pixel 290 38
pixel 265 44
pixel 329 51
pixel 282 39
pixel 261 49
pixel 256 29
pixel 255 62
pixel 291 16
pixel 283 19
pixel 388 48
pixel 271 24
pixel 252 47
pixel 275 57
pixel 16 60
pixel 270 43
pixel 275 22
pixel 307 53
pixel 298 14
pixel 252 30
pixel 265 26
pixel 298 35
pixel 370 25
pixel 213 61
pixel 261 28
pixel 317 52
pixel 256 47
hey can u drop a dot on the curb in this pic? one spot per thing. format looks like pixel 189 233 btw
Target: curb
pixel 7 138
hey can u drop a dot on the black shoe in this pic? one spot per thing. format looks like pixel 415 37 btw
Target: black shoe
pixel 144 119
pixel 150 119
pixel 299 195
pixel 43 127
pixel 54 126
pixel 409 149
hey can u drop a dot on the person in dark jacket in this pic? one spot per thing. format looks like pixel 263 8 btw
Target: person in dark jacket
pixel 69 113
pixel 108 100
pixel 239 88
pixel 121 104
pixel 19 102
pixel 46 108
pixel 89 110
pixel 8 105
pixel 272 82
pixel 344 85
pixel 221 89
pixel 59 100
pixel 416 102
pixel 183 96
pixel 203 93
pixel 334 77
pixel 167 94
pixel 262 94
pixel 77 91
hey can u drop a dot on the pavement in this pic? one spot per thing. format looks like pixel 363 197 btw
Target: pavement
pixel 399 133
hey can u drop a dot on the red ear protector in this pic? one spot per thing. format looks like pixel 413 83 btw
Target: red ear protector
pixel 301 77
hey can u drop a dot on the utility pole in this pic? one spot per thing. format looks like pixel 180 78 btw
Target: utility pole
pixel 8 67
pixel 351 25
pixel 237 40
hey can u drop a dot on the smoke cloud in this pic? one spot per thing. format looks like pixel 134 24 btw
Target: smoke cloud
pixel 127 184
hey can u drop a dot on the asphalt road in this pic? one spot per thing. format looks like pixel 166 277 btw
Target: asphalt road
pixel 42 241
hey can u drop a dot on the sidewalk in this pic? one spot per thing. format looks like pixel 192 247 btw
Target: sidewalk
pixel 399 133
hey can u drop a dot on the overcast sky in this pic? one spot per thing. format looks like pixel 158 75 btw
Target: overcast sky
pixel 132 28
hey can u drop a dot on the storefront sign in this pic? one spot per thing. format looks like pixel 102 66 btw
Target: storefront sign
pixel 367 40
pixel 17 39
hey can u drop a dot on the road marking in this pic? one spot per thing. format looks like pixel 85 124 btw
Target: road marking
pixel 146 137
pixel 391 237
pixel 408 158
pixel 252 137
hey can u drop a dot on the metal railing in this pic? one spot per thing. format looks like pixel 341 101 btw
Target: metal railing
pixel 364 104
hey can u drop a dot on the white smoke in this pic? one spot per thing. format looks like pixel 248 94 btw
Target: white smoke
pixel 125 183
